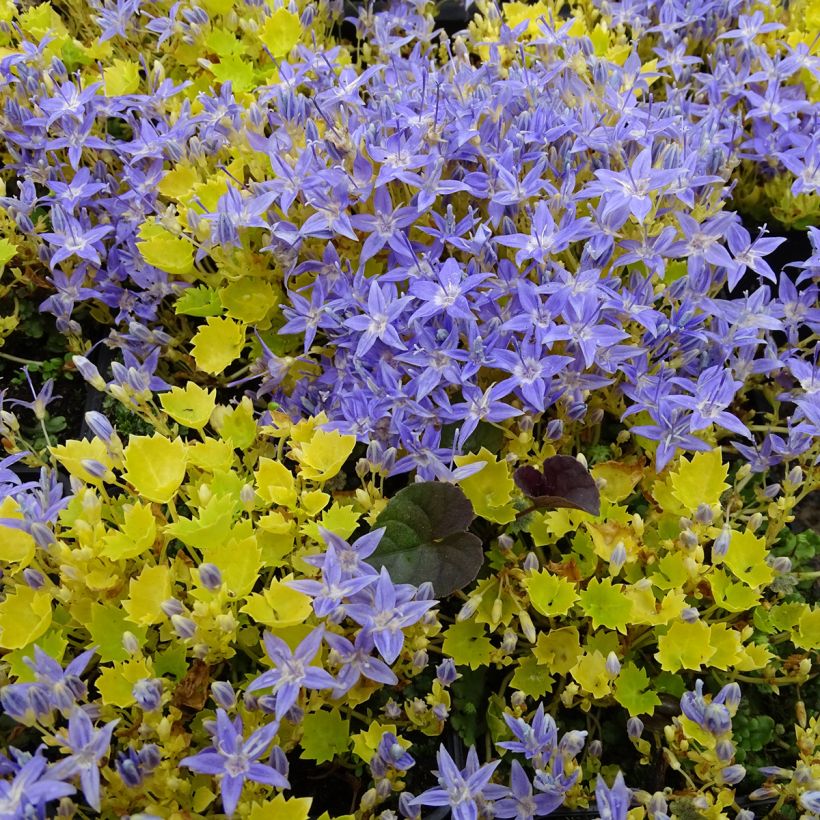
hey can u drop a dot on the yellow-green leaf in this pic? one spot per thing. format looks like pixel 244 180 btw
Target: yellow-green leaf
pixel 136 535
pixel 191 405
pixel 550 594
pixel 160 248
pixel 700 480
pixel 324 735
pixel 121 77
pixel 281 32
pixel 490 489
pixel 7 251
pixel 466 643
pixel 531 678
pixel 115 683
pixel 606 604
pixel 591 674
pixel 275 483
pixel 24 616
pixel 322 457
pixel 631 691
pixel 747 559
pixel 217 343
pixel 279 605
pixel 16 546
pixel 155 466
pixel 147 592
pixel 239 563
pixel 685 646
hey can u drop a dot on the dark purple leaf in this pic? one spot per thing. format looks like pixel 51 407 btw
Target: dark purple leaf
pixel 564 482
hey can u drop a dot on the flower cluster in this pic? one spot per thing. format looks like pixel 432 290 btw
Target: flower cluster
pixel 457 403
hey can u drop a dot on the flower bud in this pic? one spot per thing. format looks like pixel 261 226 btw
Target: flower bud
pixel 688 539
pixel 518 699
pixel 34 578
pixel 772 491
pixel 130 643
pixel 425 592
pixel 725 750
pixel 223 694
pixel 572 742
pixel 531 563
pixel 446 672
pixel 148 694
pixel 689 614
pixel 704 514
pixel 782 565
pixel 755 521
pixel 468 609
pixel 420 659
pixel 732 775
pixel 42 535
pixel 730 696
pixel 795 476
pixel 171 607
pixel 716 719
pixel 618 558
pixel 509 641
pixel 210 577
pixel 99 425
pixel 613 665
pixel 555 429
pixel 94 468
pixel 721 544
pixel 184 627
pixel 634 728
pixel 89 372
pixel 440 712
pixel 247 494
pixel 505 542
pixel 527 626
pixel 595 749
pixel 745 814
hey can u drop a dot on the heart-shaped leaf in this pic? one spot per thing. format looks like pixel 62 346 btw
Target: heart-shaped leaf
pixel 425 538
pixel 564 482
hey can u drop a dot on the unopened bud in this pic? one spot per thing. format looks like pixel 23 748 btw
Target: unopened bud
pixel 446 672
pixel 505 543
pixel 210 577
pixel 721 545
pixel 96 469
pixel 618 558
pixel 89 372
pixel 148 694
pixel 555 429
pixel 634 728
pixel 518 699
pixel 223 694
pixel 531 563
pixel 34 578
pixel 582 460
pixel 613 665
pixel 782 565
pixel 171 607
pixel 755 521
pixel 509 641
pixel 130 643
pixel 99 426
pixel 772 491
pixel 795 476
pixel 725 750
pixel 184 627
pixel 688 539
pixel 704 514
pixel 595 749
pixel 247 494
pixel 732 775
pixel 527 626
pixel 420 659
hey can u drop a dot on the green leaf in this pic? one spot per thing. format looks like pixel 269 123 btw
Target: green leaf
pixel 425 538
pixel 531 678
pixel 325 734
pixel 7 252
pixel 466 643
pixel 606 605
pixel 108 625
pixel 171 661
pixel 200 301
pixel 550 594
pixel 630 691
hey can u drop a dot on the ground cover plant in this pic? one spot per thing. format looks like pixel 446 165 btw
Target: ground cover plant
pixel 451 403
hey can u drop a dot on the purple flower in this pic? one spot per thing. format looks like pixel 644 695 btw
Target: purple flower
pixel 72 238
pixel 448 294
pixel 87 746
pixel 351 557
pixel 749 254
pixel 521 803
pixel 356 661
pixel 613 802
pixel 377 324
pixel 462 790
pixel 329 593
pixel 386 615
pixel 536 740
pixel 32 786
pixel 385 226
pixel 236 760
pixel 714 716
pixel 393 755
pixel 714 392
pixel 293 670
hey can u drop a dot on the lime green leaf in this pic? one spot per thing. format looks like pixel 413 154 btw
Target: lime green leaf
pixel 531 678
pixel 747 559
pixel 25 614
pixel 200 301
pixel 466 643
pixel 217 343
pixel 591 674
pixel 155 466
pixel 281 32
pixel 136 534
pixel 52 643
pixel 630 691
pixel 162 249
pixel 249 300
pixel 558 649
pixel 606 604
pixel 115 683
pixel 121 77
pixel 730 596
pixel 323 456
pixel 107 626
pixel 178 184
pixel 364 744
pixel 282 808
pixel 191 405
pixel 685 646
pixel 275 483
pixel 72 454
pixel 340 520
pixel 324 735
pixel 147 592
pixel 550 594
pixel 239 563
pixel 240 73
pixel 279 605
pixel 224 43
pixel 489 490
pixel 727 646
pixel 16 546
pixel 700 480
pixel 7 251
pixel 212 528
pixel 171 661
pixel 807 634
pixel 236 424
